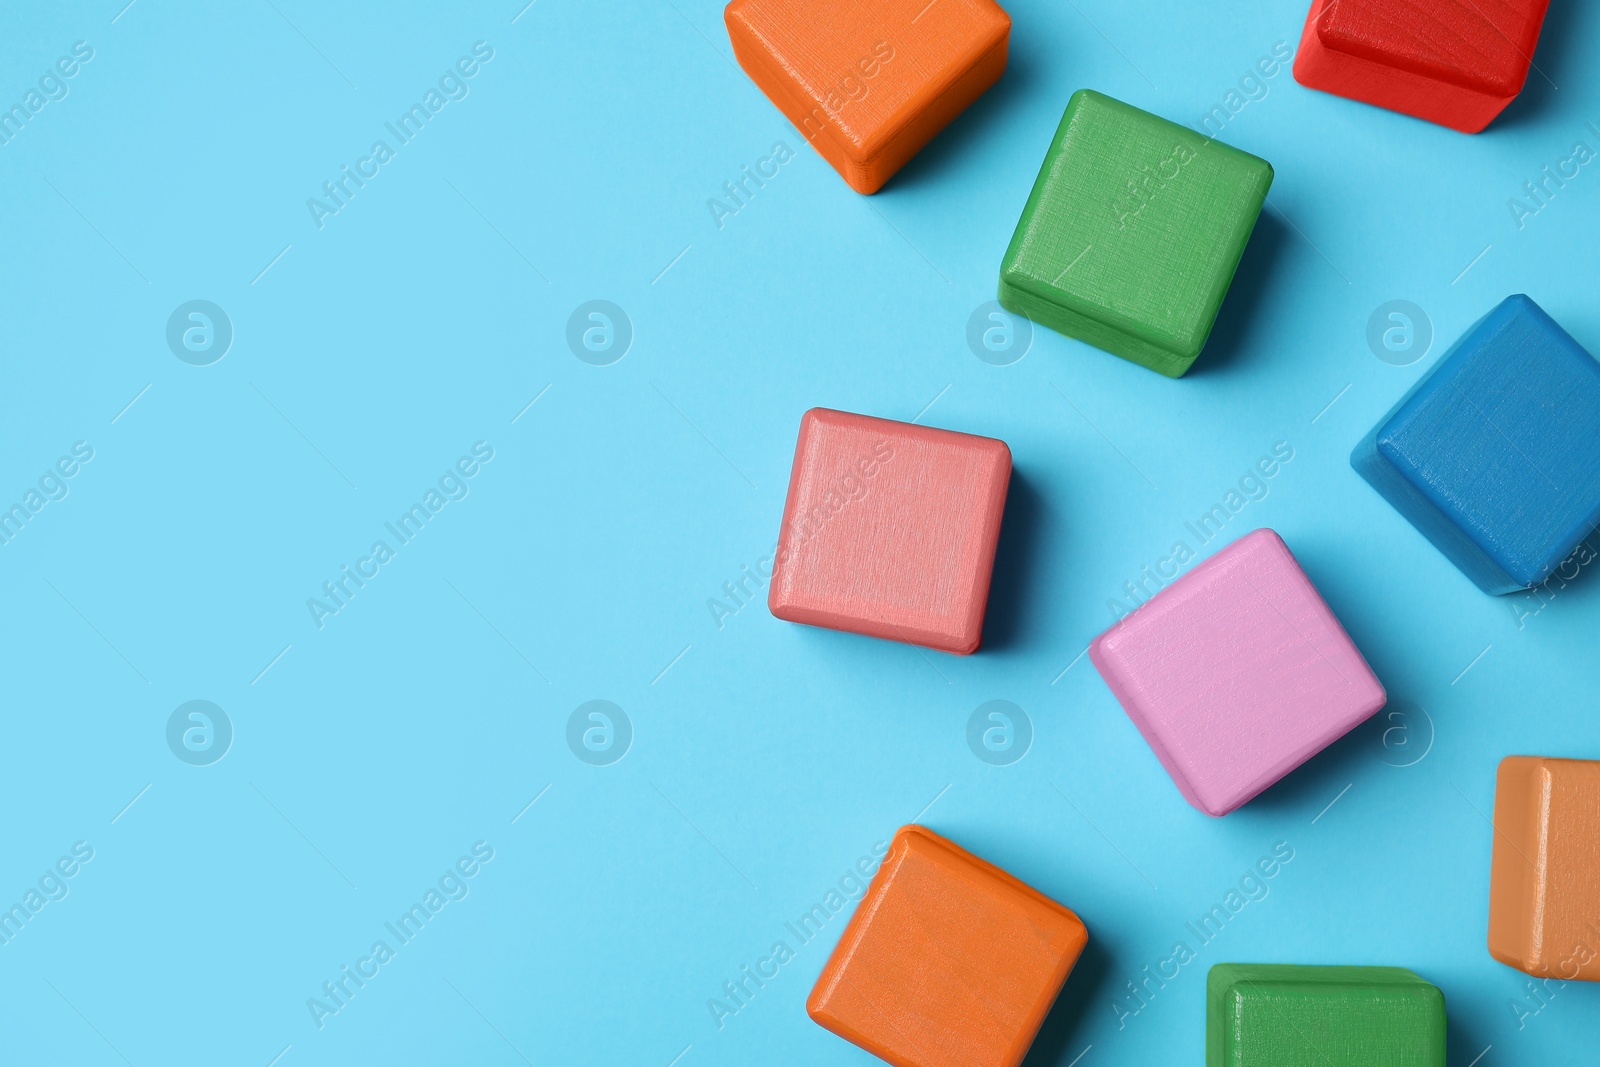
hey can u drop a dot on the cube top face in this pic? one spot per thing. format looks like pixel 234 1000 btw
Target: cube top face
pixel 861 75
pixel 1482 45
pixel 1237 673
pixel 948 961
pixel 890 530
pixel 1273 1015
pixel 1135 224
pixel 1502 439
pixel 1544 896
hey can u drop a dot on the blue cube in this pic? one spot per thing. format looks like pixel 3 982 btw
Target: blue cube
pixel 1495 455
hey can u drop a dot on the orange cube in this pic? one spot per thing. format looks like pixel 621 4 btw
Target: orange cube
pixel 1544 894
pixel 948 961
pixel 868 84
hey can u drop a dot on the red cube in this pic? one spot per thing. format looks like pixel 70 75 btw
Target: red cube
pixel 1454 62
pixel 890 530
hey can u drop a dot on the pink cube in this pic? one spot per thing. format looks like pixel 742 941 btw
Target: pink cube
pixel 1237 673
pixel 890 530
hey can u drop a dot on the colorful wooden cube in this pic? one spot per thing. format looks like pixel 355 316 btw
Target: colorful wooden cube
pixel 948 961
pixel 1292 1016
pixel 869 84
pixel 1132 233
pixel 1454 62
pixel 1544 894
pixel 890 530
pixel 1237 673
pixel 1495 455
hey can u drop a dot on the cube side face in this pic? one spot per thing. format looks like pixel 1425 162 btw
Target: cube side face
pixel 1137 225
pixel 890 530
pixel 1516 875
pixel 1500 441
pixel 1266 677
pixel 869 85
pixel 1092 331
pixel 1305 1016
pixel 1544 900
pixel 948 961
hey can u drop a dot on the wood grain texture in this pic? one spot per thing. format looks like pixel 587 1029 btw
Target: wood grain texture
pixel 948 961
pixel 1278 1015
pixel 1237 673
pixel 1494 456
pixel 890 530
pixel 1132 233
pixel 1457 63
pixel 868 84
pixel 1544 894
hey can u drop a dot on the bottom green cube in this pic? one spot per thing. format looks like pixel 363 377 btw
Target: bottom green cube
pixel 1275 1015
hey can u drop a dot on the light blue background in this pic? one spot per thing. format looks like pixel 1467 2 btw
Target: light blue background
pixel 370 754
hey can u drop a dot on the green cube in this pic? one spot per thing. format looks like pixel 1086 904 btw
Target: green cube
pixel 1132 233
pixel 1269 1015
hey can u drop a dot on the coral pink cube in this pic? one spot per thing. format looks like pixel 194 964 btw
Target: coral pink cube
pixel 890 530
pixel 1237 673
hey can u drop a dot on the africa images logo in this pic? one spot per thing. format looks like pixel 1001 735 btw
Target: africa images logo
pixel 199 733
pixel 199 332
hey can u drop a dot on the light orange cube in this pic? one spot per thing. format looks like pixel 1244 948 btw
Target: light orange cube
pixel 870 83
pixel 1544 894
pixel 948 961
